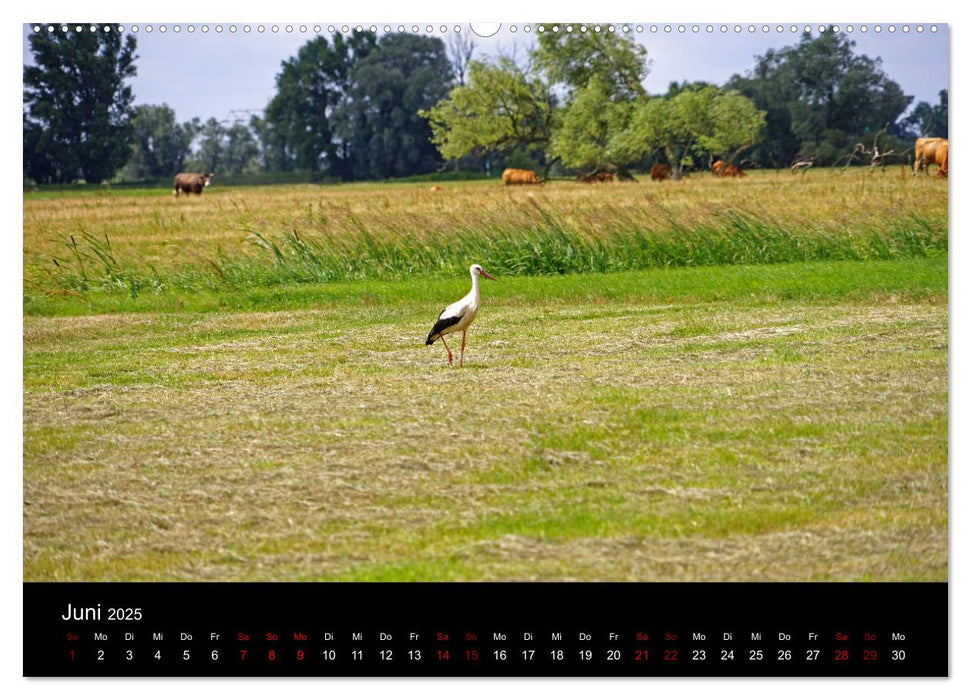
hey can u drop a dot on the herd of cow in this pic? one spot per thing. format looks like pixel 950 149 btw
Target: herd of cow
pixel 659 171
pixel 927 152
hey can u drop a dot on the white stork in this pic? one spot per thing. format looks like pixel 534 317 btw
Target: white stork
pixel 459 316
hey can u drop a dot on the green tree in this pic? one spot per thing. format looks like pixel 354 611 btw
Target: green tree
pixel 272 146
pixel 77 105
pixel 506 108
pixel 586 134
pixel 819 96
pixel 927 120
pixel 501 108
pixel 241 151
pixel 160 144
pixel 735 125
pixel 299 124
pixel 574 58
pixel 210 156
pixel 380 126
pixel 696 120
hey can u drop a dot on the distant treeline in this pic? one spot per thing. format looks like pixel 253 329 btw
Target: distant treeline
pixel 359 107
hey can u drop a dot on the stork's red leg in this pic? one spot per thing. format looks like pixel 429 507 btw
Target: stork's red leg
pixel 446 349
pixel 462 356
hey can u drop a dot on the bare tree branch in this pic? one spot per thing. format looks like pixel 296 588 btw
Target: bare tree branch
pixel 801 166
pixel 460 49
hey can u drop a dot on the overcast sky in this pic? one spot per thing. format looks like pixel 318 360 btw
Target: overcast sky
pixel 213 73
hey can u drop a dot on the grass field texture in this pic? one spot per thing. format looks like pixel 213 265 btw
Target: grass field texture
pixel 777 433
pixel 644 417
pixel 146 243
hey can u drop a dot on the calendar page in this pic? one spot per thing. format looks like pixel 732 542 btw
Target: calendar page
pixel 450 349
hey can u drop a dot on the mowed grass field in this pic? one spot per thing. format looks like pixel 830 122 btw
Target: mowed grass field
pixel 282 419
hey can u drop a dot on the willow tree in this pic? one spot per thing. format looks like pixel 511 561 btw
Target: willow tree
pixel 736 125
pixel 575 55
pixel 586 134
pixel 500 108
pixel 699 119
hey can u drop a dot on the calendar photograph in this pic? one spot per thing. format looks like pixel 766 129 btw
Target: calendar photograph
pixel 511 303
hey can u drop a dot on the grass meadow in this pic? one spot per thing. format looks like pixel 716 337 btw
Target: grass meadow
pixel 708 380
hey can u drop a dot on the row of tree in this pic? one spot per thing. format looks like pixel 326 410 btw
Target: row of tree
pixel 579 100
pixel 344 108
pixel 360 107
pixel 820 99
pixel 349 108
pixel 162 146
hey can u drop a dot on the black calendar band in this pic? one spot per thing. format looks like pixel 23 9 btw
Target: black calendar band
pixel 486 629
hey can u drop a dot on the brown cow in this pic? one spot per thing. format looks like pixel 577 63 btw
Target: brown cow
pixel 512 176
pixel 732 171
pixel 941 157
pixel 717 167
pixel 925 153
pixel 660 171
pixel 596 176
pixel 191 182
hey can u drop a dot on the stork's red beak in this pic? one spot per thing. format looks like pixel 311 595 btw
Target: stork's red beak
pixel 486 274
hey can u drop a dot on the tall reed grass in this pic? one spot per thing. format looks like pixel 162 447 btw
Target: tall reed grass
pixel 374 233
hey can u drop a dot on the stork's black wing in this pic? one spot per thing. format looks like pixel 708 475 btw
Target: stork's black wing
pixel 440 325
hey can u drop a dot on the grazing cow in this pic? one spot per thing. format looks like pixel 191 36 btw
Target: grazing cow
pixel 191 182
pixel 941 158
pixel 596 176
pixel 732 171
pixel 436 188
pixel 925 153
pixel 660 171
pixel 717 167
pixel 512 176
